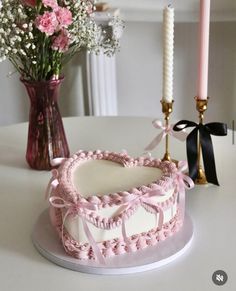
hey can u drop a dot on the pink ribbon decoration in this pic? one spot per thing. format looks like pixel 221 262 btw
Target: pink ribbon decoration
pixel 181 135
pixel 145 200
pixel 182 182
pixel 75 209
pixel 52 184
pixel 57 162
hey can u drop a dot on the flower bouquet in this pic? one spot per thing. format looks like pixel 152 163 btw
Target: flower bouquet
pixel 39 37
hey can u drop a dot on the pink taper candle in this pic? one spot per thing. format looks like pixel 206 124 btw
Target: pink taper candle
pixel 204 27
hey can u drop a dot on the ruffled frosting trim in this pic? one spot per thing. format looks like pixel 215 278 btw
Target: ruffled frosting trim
pixel 117 246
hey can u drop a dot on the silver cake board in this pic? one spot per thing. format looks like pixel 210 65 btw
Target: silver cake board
pixel 48 244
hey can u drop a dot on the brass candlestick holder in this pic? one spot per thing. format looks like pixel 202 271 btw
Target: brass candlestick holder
pixel 201 106
pixel 167 108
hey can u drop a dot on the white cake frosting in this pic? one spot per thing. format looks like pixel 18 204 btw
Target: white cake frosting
pixel 100 177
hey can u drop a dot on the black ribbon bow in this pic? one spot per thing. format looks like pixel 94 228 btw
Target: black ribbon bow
pixel 205 131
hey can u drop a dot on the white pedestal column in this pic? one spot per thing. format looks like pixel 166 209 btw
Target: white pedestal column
pixel 101 82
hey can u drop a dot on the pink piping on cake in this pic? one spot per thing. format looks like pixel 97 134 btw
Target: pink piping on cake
pixel 119 246
pixel 66 173
pixel 113 222
pixel 63 189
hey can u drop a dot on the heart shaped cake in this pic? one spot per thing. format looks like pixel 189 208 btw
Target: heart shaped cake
pixel 105 203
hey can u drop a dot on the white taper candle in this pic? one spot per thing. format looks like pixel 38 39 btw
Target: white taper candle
pixel 168 54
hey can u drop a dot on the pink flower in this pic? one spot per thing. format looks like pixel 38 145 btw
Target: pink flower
pixel 64 16
pixel 50 3
pixel 61 42
pixel 47 23
pixel 31 3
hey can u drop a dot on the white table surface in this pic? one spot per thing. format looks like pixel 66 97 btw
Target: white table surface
pixel 212 208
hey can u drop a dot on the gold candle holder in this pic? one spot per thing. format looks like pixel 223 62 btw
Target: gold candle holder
pixel 167 108
pixel 201 106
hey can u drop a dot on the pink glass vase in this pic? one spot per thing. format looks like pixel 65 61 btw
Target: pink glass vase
pixel 46 135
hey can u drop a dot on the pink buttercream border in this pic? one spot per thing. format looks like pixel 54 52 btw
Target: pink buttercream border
pixel 117 246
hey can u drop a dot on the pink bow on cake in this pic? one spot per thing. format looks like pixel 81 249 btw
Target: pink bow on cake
pixel 147 202
pixel 77 209
pixel 182 182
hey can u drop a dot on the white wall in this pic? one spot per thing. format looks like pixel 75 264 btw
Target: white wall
pixel 140 71
pixel 139 74
pixel 13 102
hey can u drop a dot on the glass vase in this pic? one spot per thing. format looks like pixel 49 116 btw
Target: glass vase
pixel 46 135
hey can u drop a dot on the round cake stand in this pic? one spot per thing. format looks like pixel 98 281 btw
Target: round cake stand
pixel 48 244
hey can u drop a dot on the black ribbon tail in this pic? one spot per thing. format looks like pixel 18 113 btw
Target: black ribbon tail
pixel 218 129
pixel 192 154
pixel 208 156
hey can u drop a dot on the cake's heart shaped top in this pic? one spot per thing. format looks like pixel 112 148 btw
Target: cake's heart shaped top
pixel 103 177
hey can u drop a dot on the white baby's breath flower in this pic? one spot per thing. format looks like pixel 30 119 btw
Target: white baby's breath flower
pixel 30 27
pixel 22 52
pixel 12 41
